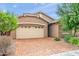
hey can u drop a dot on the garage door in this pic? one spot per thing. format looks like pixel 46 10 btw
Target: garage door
pixel 29 32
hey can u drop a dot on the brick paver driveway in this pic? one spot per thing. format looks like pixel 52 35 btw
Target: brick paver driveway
pixel 39 47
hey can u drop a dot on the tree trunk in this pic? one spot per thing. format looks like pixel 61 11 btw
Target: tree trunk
pixel 75 31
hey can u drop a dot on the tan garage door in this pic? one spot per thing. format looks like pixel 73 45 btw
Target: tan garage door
pixel 29 32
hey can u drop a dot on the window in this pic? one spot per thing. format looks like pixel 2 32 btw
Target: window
pixel 25 26
pixel 29 26
pixel 42 26
pixel 36 27
pixel 22 26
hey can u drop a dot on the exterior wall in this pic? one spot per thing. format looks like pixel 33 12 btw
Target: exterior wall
pixel 54 30
pixel 46 31
pixel 35 20
pixel 32 20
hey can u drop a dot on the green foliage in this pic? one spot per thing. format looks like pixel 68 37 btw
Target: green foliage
pixel 57 39
pixel 8 22
pixel 71 39
pixel 69 16
pixel 67 37
pixel 74 41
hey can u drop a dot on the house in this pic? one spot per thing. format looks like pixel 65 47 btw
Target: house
pixel 37 25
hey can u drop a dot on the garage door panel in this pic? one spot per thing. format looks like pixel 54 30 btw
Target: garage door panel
pixel 31 32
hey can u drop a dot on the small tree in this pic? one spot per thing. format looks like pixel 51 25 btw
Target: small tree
pixel 69 14
pixel 8 22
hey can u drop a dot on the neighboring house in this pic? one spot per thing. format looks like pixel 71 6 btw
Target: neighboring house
pixel 37 25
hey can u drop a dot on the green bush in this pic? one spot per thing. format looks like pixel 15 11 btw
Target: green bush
pixel 74 41
pixel 67 37
pixel 57 39
pixel 71 39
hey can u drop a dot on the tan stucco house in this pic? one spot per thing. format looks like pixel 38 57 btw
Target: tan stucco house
pixel 37 25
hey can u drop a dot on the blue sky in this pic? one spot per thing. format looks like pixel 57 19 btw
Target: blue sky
pixel 20 8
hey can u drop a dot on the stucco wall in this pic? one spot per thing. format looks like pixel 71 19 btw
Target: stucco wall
pixel 32 20
pixel 54 30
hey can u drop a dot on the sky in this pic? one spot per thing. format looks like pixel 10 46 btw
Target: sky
pixel 49 9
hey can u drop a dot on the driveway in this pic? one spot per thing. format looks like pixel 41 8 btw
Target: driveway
pixel 41 47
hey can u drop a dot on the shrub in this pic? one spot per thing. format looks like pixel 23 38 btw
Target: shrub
pixel 67 37
pixel 57 39
pixel 74 41
pixel 71 39
pixel 6 46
